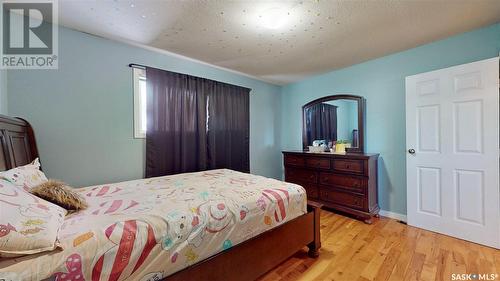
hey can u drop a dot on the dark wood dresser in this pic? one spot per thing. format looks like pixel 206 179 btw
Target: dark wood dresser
pixel 343 182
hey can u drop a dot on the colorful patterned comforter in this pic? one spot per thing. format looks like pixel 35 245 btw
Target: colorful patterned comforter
pixel 151 228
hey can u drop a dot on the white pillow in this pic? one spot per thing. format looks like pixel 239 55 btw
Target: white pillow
pixel 28 224
pixel 27 176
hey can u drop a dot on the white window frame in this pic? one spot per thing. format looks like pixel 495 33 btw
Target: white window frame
pixel 139 115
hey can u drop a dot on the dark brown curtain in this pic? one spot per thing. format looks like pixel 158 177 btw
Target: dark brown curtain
pixel 321 121
pixel 175 136
pixel 228 127
pixel 177 124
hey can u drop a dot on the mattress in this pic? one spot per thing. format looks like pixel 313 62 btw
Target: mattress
pixel 150 228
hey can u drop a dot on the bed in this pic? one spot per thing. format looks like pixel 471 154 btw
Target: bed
pixel 192 226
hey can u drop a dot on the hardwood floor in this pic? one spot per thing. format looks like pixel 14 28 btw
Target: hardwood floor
pixel 385 250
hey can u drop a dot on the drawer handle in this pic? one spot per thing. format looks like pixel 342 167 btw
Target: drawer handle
pixel 348 166
pixel 356 184
pixel 311 176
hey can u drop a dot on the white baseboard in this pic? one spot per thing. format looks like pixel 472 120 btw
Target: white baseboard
pixel 392 215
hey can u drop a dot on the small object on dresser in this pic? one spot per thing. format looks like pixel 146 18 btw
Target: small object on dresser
pixel 319 142
pixel 316 149
pixel 341 145
pixel 318 146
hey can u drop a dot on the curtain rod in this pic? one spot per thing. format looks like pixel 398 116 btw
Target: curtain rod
pixel 135 65
pixel 141 66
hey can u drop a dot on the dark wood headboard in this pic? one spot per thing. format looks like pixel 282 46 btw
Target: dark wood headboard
pixel 17 141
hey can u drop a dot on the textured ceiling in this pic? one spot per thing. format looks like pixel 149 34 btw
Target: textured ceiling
pixel 317 36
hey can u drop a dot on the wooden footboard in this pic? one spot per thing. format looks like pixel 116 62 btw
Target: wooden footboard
pixel 254 257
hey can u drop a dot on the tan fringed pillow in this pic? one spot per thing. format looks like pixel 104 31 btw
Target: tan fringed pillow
pixel 59 193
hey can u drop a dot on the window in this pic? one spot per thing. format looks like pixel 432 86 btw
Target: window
pixel 140 120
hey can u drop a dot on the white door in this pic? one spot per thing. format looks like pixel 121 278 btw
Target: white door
pixel 453 151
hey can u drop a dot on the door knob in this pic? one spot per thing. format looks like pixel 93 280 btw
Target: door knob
pixel 411 151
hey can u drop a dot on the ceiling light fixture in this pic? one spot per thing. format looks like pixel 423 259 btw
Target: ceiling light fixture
pixel 273 18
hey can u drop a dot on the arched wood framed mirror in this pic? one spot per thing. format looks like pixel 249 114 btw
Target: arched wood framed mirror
pixel 332 120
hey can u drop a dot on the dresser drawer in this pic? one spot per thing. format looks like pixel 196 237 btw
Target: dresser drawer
pixel 319 163
pixel 293 160
pixel 300 176
pixel 341 198
pixel 312 190
pixel 343 182
pixel 351 166
pixel 355 184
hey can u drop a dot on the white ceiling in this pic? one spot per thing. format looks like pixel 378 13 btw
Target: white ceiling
pixel 318 36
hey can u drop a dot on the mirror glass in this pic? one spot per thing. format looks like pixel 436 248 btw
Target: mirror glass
pixel 334 122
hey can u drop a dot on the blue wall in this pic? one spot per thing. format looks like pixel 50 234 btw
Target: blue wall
pixel 382 83
pixel 82 112
pixel 83 118
pixel 347 118
pixel 3 92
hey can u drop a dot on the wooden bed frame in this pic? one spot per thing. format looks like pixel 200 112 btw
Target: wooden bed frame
pixel 17 141
pixel 245 261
